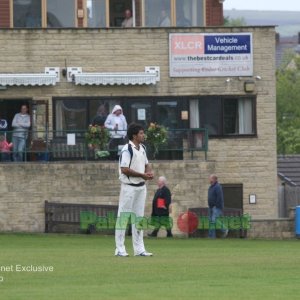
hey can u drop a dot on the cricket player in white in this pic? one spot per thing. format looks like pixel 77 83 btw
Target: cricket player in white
pixel 134 171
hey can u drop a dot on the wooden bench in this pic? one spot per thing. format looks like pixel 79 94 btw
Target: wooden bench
pixel 202 212
pixel 59 217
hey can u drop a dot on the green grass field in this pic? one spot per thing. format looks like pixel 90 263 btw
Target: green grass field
pixel 85 268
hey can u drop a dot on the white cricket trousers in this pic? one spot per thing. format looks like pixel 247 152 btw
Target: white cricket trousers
pixel 132 201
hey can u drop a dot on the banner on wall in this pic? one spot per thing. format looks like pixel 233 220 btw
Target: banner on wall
pixel 210 54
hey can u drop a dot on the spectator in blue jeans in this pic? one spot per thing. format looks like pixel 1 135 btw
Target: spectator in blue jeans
pixel 216 206
pixel 20 124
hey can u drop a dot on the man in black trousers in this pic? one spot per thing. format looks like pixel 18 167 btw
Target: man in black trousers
pixel 160 208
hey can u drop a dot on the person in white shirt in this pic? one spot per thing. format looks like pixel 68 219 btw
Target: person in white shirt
pixel 134 171
pixel 128 21
pixel 20 124
pixel 116 123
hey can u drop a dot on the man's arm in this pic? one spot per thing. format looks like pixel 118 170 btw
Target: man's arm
pixel 132 173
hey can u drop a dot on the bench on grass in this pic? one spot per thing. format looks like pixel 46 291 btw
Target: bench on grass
pixel 59 217
pixel 234 220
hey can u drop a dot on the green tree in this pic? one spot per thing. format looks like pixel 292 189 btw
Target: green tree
pixel 229 22
pixel 288 108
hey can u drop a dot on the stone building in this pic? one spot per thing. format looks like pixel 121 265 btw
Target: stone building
pixel 193 76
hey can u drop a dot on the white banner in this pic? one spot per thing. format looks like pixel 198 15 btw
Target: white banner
pixel 210 54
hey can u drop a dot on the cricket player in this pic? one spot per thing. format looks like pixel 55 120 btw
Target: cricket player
pixel 134 171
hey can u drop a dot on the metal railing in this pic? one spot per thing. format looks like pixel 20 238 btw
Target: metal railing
pixel 71 145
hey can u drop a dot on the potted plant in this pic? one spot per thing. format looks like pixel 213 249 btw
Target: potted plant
pixel 97 138
pixel 156 135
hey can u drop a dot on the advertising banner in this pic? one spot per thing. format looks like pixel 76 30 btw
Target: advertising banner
pixel 210 54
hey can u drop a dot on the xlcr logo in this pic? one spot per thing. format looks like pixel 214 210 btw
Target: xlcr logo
pixel 187 45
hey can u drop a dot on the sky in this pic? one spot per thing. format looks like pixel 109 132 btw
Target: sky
pixel 287 5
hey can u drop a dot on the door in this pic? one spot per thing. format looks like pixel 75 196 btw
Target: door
pixel 233 195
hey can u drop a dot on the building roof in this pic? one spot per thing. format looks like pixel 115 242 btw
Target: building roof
pixel 288 167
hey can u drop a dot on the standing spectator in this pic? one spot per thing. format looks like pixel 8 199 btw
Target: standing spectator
pixel 5 148
pixel 101 116
pixel 116 123
pixel 216 206
pixel 128 21
pixel 134 170
pixel 160 207
pixel 20 124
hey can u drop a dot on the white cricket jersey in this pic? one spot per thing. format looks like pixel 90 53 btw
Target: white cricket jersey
pixel 137 162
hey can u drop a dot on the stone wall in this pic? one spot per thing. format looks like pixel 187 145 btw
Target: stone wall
pixel 25 187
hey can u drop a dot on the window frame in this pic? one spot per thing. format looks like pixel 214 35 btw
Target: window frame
pixel 44 15
pixel 222 100
pixel 173 16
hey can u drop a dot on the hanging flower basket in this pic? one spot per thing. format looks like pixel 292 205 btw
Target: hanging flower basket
pixel 97 138
pixel 156 136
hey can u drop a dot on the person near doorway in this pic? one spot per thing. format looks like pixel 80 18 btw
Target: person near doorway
pixel 216 206
pixel 117 124
pixel 128 21
pixel 134 170
pixel 160 208
pixel 21 125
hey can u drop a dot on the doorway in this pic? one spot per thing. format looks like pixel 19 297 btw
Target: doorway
pixel 233 195
pixel 8 109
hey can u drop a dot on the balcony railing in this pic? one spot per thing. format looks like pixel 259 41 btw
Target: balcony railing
pixel 62 145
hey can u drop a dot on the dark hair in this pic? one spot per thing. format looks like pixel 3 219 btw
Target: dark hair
pixel 133 129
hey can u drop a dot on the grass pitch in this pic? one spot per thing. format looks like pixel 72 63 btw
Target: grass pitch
pixel 85 268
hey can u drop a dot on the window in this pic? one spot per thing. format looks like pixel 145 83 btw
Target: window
pixel 189 13
pixel 96 13
pixel 227 116
pixel 157 13
pixel 60 13
pixel 28 13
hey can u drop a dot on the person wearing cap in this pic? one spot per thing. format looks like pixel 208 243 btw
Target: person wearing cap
pixel 117 124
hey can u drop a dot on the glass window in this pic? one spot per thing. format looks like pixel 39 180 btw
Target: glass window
pixel 211 115
pixel 98 111
pixel 189 13
pixel 71 115
pixel 96 15
pixel 60 13
pixel 227 116
pixel 157 13
pixel 27 13
pixel 120 13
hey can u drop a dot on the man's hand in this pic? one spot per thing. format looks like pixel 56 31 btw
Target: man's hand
pixel 148 176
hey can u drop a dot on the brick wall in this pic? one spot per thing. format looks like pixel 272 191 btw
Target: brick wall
pixel 214 13
pixel 4 13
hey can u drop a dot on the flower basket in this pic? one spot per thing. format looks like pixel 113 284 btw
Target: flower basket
pixel 156 136
pixel 97 138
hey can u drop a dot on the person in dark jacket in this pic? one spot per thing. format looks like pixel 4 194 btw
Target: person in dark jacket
pixel 216 206
pixel 160 208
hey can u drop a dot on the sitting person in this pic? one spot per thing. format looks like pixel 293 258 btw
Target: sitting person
pixel 5 149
